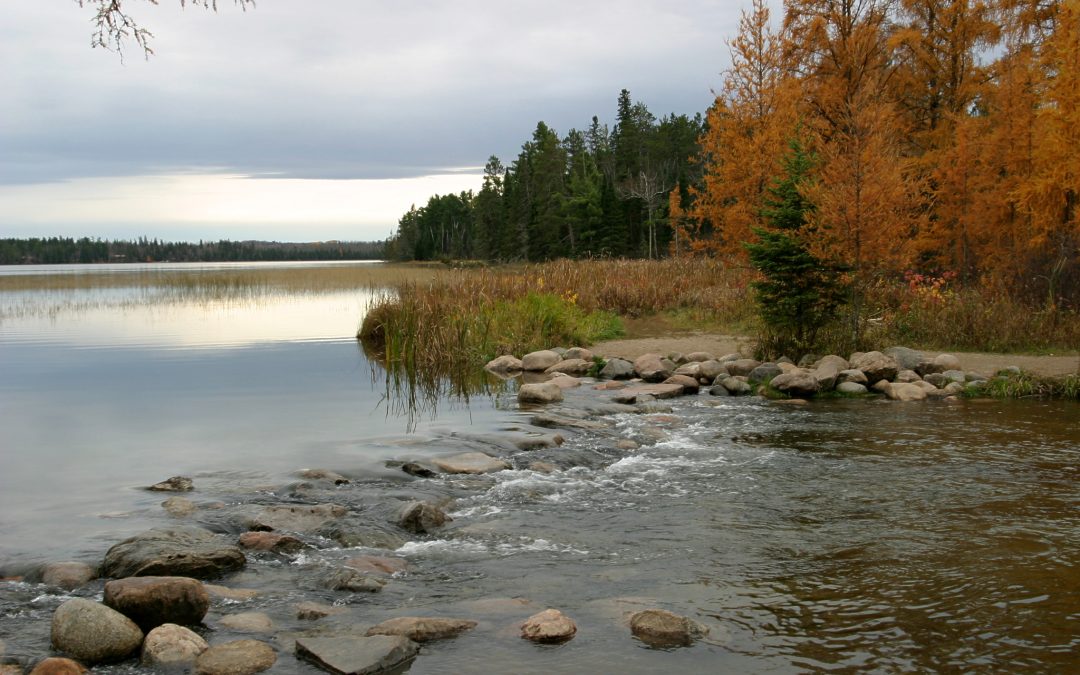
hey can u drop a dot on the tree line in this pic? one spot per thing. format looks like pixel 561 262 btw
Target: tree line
pixel 942 136
pixel 57 250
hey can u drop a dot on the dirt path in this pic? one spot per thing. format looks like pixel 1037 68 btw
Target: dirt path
pixel 721 345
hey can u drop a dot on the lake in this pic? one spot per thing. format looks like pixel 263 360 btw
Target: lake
pixel 846 536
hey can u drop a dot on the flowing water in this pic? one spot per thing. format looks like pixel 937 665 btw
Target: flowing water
pixel 847 536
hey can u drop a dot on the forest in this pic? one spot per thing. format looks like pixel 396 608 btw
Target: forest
pixel 56 250
pixel 940 136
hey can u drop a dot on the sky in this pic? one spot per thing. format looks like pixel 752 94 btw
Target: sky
pixel 317 119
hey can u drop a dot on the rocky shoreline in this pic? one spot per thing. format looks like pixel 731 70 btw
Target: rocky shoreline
pixel 150 602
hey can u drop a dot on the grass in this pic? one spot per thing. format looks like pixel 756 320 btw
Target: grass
pixel 1025 385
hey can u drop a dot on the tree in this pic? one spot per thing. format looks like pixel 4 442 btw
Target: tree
pixel 799 292
pixel 113 26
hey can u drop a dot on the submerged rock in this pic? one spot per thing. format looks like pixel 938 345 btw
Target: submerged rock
pixel 93 633
pixel 173 551
pixel 313 611
pixel 471 463
pixel 422 628
pixel 296 517
pixel 540 392
pixel 234 594
pixel 240 657
pixel 548 626
pixel 67 575
pixel 418 470
pixel 153 601
pixel 346 579
pixel 174 484
pixel 248 622
pixel 171 646
pixel 271 541
pixel 179 507
pixel 323 474
pixel 373 564
pixel 660 628
pixel 421 517
pixel 348 655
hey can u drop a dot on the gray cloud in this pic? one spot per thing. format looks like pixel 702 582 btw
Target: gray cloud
pixel 338 88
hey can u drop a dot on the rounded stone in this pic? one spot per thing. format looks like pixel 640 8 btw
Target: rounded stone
pixel 153 601
pixel 56 665
pixel 67 575
pixel 422 629
pixel 240 657
pixel 170 645
pixel 548 626
pixel 93 633
pixel 660 628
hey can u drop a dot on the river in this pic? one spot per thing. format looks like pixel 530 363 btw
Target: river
pixel 846 536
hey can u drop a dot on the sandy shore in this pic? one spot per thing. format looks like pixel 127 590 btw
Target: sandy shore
pixel 720 345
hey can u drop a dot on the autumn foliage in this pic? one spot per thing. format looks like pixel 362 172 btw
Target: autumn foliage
pixel 946 132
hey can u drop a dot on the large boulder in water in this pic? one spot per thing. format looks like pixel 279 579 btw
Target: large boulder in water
pixel 173 551
pixel 67 575
pixel 240 657
pixel 422 628
pixel 348 655
pixel 548 626
pixel 504 364
pixel 660 628
pixel 296 517
pixel 93 633
pixel 172 646
pixel 617 369
pixel 539 361
pixel 542 392
pixel 153 601
pixel 876 366
pixel 421 517
pixel 796 384
pixel 470 462
pixel 652 368
pixel 54 665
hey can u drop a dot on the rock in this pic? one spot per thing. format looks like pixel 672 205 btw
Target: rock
pixel 54 665
pixel 313 611
pixel 930 389
pixel 271 541
pixel 736 386
pixel 357 655
pixel 728 358
pixel 791 402
pixel 954 376
pixel 972 376
pixel 248 622
pixel 659 628
pixel 174 484
pixel 909 359
pixel 570 367
pixel 67 575
pixel 153 601
pixel 881 386
pixel 324 474
pixel 578 353
pixel 692 370
pixel 788 367
pixel 170 646
pixel 876 366
pixel 689 384
pixel 541 392
pixel 710 370
pixel 365 536
pixel 15 669
pixel 564 381
pixel 651 368
pixel 539 361
pixel 421 517
pixel 417 469
pixel 796 385
pixel 422 628
pixel 178 507
pixel 904 391
pixel 852 375
pixel 946 362
pixel 504 364
pixel 851 388
pixel 953 388
pixel 743 366
pixel 373 564
pixel 839 362
pixel 345 579
pixel 548 626
pixel 240 657
pixel 234 594
pixel 93 633
pixel 677 358
pixel 826 375
pixel 634 394
pixel 617 369
pixel 470 462
pixel 719 390
pixel 296 517
pixel 542 467
pixel 807 361
pixel 936 379
pixel 764 373
pixel 699 357
pixel 173 551
pixel 627 444
pixel 908 376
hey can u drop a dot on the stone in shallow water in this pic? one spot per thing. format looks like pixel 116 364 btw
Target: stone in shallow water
pixel 270 541
pixel 51 666
pixel 153 601
pixel 174 484
pixel 313 611
pixel 170 645
pixel 67 575
pixel 296 518
pixel 93 633
pixel 422 628
pixel 357 655
pixel 240 657
pixel 548 626
pixel 248 622
pixel 660 628
pixel 470 462
pixel 543 392
pixel 421 517
pixel 173 551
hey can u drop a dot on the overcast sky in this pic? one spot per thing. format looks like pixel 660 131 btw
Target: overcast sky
pixel 306 120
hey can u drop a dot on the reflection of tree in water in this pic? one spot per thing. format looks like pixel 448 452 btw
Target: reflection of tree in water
pixel 415 394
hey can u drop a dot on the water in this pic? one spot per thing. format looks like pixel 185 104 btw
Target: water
pixel 845 536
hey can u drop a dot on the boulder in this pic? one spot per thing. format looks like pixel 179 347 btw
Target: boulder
pixel 908 376
pixel 239 657
pixel 677 358
pixel 728 358
pixel 876 366
pixel 954 376
pixel 689 384
pixel 937 379
pixel 541 392
pixel 945 362
pixel 324 475
pixel 742 366
pixel 349 655
pixel 617 369
pixel 570 367
pixel 93 633
pixel 699 357
pixel 173 551
pixel 852 375
pixel 179 507
pixel 736 386
pixel 826 374
pixel 796 385
pixel 373 564
pixel 174 484
pixel 839 362
pixel 564 381
pixel 422 628
pixel 851 388
pixel 54 665
pixel 270 541
pixel 633 394
pixel 719 390
pixel 470 462
pixel 153 601
pixel 313 611
pixel 881 386
pixel 905 391
pixel 764 373
pixel 540 361
pixel 296 517
pixel 504 364
pixel 578 353
pixel 652 368
pixel 421 517
pixel 345 579
pixel 248 622
pixel 660 628
pixel 953 388
pixel 548 626
pixel 354 535
pixel 909 359
pixel 234 594
pixel 172 646
pixel 710 370
pixel 692 369
pixel 67 575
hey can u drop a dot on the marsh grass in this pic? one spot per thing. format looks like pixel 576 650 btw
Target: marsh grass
pixel 1025 385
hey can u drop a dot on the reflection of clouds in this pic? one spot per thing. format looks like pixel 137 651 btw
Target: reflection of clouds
pixel 106 320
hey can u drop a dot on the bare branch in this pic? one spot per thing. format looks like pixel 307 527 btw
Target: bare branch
pixel 113 27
